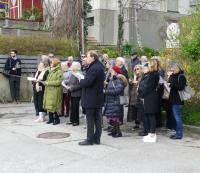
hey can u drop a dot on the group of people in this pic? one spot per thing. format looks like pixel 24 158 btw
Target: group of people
pixel 100 85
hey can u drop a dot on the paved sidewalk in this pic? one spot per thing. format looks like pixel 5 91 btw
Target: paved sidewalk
pixel 22 151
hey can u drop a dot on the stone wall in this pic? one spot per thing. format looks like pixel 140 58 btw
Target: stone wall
pixel 25 89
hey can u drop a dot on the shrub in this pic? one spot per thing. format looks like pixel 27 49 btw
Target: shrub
pixel 190 36
pixel 111 51
pixel 149 52
pixel 191 109
pixel 29 45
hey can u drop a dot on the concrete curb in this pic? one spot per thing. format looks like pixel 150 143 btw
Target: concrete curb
pixel 193 129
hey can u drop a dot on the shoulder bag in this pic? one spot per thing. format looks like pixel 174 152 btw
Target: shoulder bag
pixel 122 99
pixel 186 93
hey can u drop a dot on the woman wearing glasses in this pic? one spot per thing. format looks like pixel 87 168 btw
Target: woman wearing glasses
pixel 147 91
pixel 135 112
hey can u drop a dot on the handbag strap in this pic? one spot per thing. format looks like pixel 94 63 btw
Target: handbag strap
pixel 113 85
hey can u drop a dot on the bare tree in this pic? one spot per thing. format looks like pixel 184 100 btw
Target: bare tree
pixel 52 10
pixel 66 21
pixel 121 20
pixel 62 17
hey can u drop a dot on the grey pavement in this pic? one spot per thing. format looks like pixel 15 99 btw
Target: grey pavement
pixel 21 151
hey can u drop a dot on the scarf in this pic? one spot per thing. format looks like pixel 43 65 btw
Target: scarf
pixel 39 77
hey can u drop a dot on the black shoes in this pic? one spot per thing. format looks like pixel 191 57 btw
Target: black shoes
pixel 75 124
pixel 136 127
pixel 117 135
pixel 56 121
pixel 97 142
pixel 85 142
pixel 174 137
pixel 142 134
pixel 50 121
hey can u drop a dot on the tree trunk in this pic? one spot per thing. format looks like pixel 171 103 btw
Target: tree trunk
pixel 136 24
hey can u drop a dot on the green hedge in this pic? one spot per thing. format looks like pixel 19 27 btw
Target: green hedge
pixel 35 45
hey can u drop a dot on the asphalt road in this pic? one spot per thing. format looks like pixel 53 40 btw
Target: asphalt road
pixel 21 151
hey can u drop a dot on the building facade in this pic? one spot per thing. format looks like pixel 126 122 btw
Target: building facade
pixel 153 19
pixel 16 8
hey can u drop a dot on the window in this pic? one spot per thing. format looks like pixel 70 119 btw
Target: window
pixel 172 6
pixel 90 21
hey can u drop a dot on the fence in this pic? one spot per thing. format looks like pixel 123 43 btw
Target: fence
pixel 29 66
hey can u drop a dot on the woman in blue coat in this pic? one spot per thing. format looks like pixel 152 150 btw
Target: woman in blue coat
pixel 112 108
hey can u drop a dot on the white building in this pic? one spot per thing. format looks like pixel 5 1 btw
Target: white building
pixel 153 20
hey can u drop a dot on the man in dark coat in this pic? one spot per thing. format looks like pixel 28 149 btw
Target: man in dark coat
pixel 134 60
pixel 13 64
pixel 92 97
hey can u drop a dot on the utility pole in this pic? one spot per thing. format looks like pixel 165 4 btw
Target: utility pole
pixel 81 26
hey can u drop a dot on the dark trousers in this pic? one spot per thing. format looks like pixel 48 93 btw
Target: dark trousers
pixel 94 129
pixel 170 120
pixel 14 87
pixel 121 118
pixel 149 123
pixel 65 104
pixel 159 115
pixel 74 113
pixel 38 101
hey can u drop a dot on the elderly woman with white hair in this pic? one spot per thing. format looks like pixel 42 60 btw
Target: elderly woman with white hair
pixel 120 62
pixel 73 86
pixel 70 60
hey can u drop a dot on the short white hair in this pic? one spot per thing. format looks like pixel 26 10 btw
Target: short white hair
pixel 45 60
pixel 70 58
pixel 121 59
pixel 76 66
pixel 144 58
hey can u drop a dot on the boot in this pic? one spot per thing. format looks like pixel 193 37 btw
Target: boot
pixel 40 118
pixel 118 131
pixel 56 119
pixel 113 131
pixel 51 120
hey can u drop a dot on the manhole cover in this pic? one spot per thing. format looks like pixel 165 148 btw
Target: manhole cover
pixel 54 135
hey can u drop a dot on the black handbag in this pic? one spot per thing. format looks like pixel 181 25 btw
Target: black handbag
pixel 6 72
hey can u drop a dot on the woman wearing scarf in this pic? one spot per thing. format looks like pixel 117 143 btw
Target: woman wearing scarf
pixel 112 108
pixel 41 75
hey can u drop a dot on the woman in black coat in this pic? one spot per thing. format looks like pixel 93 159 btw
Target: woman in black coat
pixel 177 82
pixel 112 108
pixel 147 91
pixel 38 88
